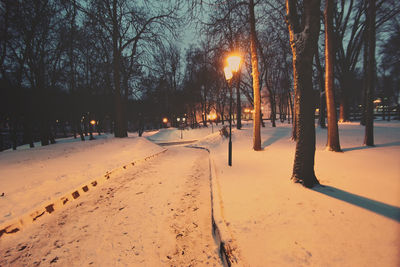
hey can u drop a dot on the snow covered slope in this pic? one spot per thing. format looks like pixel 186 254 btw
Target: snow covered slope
pixel 30 177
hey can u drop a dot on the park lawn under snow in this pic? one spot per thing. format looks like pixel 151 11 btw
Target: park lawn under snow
pixel 176 135
pixel 352 221
pixel 31 177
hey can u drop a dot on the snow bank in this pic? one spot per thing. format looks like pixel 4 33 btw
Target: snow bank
pixel 30 177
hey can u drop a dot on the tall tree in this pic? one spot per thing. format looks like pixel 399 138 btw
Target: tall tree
pixel 350 31
pixel 333 143
pixel 255 75
pixel 125 25
pixel 370 74
pixel 303 40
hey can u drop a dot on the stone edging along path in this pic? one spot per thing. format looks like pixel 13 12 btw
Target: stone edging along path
pixel 228 251
pixel 16 224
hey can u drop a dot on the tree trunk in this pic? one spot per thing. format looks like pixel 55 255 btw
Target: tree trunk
pixel 28 133
pixel 291 106
pixel 303 41
pixel 79 127
pixel 1 142
pixel 120 130
pixel 322 98
pixel 13 133
pixel 261 120
pixel 272 103
pixel 256 82
pixel 322 110
pixel 370 79
pixel 344 104
pixel 238 105
pixel 74 126
pixel 333 143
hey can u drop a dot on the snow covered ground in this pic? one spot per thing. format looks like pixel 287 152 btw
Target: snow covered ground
pixel 147 215
pixel 32 177
pixel 175 135
pixel 354 220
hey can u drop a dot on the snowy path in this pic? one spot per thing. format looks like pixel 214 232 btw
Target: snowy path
pixel 151 215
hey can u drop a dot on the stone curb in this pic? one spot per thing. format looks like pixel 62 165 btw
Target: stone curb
pixel 228 251
pixel 17 224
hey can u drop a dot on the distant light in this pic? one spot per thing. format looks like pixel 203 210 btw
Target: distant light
pixel 212 116
pixel 164 120
pixel 92 122
pixel 178 119
pixel 184 119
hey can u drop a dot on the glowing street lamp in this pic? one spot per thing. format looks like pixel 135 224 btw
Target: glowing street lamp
pixel 181 121
pixel 234 62
pixel 211 118
pixel 233 67
pixel 228 73
pixel 92 124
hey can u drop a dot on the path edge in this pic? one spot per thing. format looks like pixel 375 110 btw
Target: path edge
pixel 227 248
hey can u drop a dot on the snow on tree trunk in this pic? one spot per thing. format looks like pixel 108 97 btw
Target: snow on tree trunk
pixel 303 41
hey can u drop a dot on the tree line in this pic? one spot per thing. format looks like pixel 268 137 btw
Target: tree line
pixel 122 64
pixel 69 62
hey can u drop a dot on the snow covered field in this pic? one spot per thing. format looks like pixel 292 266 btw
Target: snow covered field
pixel 31 177
pixel 147 215
pixel 354 220
pixel 174 135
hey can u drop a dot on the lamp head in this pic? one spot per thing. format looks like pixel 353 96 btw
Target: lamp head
pixel 228 73
pixel 234 62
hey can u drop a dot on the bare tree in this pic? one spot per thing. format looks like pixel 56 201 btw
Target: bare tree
pixel 303 40
pixel 126 25
pixel 350 31
pixel 333 143
pixel 370 74
pixel 255 75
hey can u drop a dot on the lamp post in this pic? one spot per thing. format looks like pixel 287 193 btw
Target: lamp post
pixel 233 67
pixel 181 121
pixel 165 122
pixel 211 118
pixel 92 123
